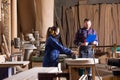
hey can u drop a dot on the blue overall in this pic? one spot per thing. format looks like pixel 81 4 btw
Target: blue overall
pixel 52 50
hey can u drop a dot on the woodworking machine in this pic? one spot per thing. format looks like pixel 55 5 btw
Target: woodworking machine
pixel 30 43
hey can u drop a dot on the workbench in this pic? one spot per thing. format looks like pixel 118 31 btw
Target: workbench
pixel 32 74
pixel 14 63
pixel 9 67
pixel 75 64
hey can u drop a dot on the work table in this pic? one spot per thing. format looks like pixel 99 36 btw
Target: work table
pixel 14 63
pixel 81 61
pixel 78 63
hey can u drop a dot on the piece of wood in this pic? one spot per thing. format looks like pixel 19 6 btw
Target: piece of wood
pixel 102 24
pixel 2 48
pixel 63 27
pixel 102 1
pixel 32 74
pixel 111 77
pixel 95 24
pixel 14 63
pixel 81 61
pixel 70 26
pixel 6 47
pixel 14 27
pixel 52 76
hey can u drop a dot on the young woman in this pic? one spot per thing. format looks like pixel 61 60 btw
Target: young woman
pixel 53 48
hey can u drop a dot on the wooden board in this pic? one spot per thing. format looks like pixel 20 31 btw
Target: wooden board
pixel 32 74
pixel 81 61
pixel 14 63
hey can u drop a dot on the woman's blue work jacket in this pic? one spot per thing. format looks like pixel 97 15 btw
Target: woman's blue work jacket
pixel 52 50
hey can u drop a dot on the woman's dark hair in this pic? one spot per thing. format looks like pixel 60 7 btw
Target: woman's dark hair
pixel 51 31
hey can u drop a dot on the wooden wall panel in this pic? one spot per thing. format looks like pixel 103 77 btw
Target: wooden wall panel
pixel 118 7
pixel 76 19
pixel 102 24
pixel 82 13
pixel 70 25
pixel 107 24
pixel 63 26
pixel 110 26
pixel 102 1
pixel 96 17
pixel 116 21
pixel 105 20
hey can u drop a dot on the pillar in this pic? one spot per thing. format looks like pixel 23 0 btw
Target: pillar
pixel 44 16
pixel 14 21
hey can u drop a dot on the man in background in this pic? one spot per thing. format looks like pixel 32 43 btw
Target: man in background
pixel 85 38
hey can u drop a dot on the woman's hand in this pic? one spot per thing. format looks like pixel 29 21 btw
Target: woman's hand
pixel 74 52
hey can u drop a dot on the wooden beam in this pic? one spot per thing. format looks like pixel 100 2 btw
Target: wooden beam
pixel 44 16
pixel 14 22
pixel 102 1
pixel 14 18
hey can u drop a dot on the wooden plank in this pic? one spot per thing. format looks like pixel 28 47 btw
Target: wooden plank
pixel 83 2
pixel 70 25
pixel 118 7
pixel 82 14
pixel 14 63
pixel 89 11
pixel 102 1
pixel 102 24
pixel 32 74
pixel 81 61
pixel 14 27
pixel 76 22
pixel 64 26
pixel 115 20
pixel 107 24
pixel 95 23
pixel 111 77
pixel 7 52
pixel 111 28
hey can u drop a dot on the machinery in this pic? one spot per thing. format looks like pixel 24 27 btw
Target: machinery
pixel 30 43
pixel 113 61
pixel 116 63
